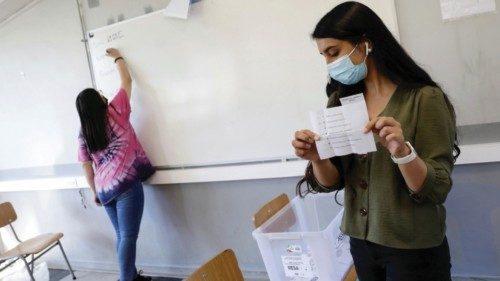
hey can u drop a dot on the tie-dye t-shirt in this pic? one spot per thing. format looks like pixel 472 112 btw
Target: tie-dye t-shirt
pixel 123 162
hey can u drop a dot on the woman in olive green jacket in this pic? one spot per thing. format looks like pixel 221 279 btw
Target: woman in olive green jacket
pixel 394 196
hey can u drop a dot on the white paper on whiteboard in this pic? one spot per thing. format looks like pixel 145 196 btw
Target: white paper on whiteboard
pixel 454 9
pixel 178 9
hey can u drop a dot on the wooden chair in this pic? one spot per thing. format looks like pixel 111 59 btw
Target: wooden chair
pixel 269 209
pixel 34 247
pixel 275 205
pixel 223 267
pixel 351 275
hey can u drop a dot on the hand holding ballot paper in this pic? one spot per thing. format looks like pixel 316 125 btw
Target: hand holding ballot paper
pixel 341 128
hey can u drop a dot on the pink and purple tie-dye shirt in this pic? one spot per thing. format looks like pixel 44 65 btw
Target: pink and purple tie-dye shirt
pixel 123 162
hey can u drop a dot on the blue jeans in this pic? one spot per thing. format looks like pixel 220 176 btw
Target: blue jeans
pixel 125 212
pixel 375 262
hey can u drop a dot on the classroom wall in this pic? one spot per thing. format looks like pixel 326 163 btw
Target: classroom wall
pixel 99 13
pixel 473 221
pixel 185 224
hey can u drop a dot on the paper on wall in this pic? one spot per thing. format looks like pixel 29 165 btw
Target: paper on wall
pixel 454 9
pixel 178 9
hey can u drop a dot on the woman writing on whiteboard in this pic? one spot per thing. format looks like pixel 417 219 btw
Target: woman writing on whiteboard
pixel 114 163
pixel 394 196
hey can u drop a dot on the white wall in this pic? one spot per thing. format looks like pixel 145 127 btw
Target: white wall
pixel 42 68
pixel 183 225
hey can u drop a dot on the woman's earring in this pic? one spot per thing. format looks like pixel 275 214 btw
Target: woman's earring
pixel 368 49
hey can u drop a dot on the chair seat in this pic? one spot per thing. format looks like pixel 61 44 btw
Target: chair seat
pixel 32 246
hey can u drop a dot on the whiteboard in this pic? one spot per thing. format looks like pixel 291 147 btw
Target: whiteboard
pixel 43 66
pixel 229 85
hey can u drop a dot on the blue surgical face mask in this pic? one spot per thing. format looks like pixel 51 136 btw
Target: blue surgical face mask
pixel 345 71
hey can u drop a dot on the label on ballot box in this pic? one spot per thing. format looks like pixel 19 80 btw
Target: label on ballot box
pixel 299 267
pixel 342 249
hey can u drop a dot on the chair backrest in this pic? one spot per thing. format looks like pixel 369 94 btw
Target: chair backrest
pixel 223 267
pixel 269 209
pixel 351 275
pixel 7 214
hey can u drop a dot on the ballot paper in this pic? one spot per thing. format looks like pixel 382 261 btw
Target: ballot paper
pixel 341 128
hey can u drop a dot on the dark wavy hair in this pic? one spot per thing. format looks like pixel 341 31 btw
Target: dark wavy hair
pixel 92 110
pixel 356 23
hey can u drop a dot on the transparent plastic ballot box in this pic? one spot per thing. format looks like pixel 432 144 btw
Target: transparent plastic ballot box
pixel 303 241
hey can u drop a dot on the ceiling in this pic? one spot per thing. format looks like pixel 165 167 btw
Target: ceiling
pixel 9 8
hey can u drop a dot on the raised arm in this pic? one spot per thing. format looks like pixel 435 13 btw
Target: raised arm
pixel 125 78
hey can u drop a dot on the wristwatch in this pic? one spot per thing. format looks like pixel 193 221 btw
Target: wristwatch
pixel 406 159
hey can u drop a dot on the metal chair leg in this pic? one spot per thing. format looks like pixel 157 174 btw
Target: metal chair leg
pixel 32 262
pixel 28 268
pixel 66 258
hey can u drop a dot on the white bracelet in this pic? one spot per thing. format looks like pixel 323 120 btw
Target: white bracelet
pixel 406 159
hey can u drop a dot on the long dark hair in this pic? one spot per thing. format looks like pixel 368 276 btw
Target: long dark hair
pixel 92 110
pixel 355 22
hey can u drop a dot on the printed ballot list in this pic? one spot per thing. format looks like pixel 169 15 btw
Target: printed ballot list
pixel 341 128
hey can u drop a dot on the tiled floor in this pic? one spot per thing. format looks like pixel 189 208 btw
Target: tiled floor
pixel 63 275
pixel 88 276
pixel 474 279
